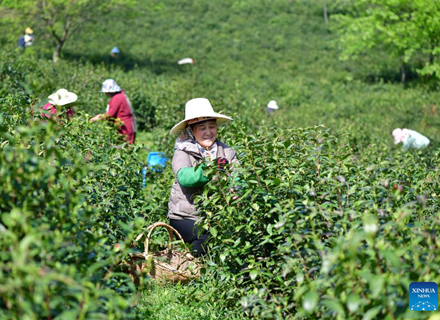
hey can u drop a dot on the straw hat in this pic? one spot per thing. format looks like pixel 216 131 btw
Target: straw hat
pixel 110 86
pixel 28 31
pixel 62 97
pixel 198 110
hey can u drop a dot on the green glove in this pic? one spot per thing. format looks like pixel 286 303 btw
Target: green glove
pixel 188 177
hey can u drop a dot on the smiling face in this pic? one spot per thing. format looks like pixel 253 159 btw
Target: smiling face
pixel 205 132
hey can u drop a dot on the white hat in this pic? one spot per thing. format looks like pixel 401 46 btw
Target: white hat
pixel 186 61
pixel 273 105
pixel 62 97
pixel 111 86
pixel 197 110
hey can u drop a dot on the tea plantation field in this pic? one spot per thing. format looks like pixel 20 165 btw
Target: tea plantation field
pixel 332 220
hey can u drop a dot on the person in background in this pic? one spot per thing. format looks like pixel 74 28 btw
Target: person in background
pixel 119 107
pixel 115 52
pixel 27 39
pixel 410 139
pixel 272 106
pixel 59 99
pixel 196 143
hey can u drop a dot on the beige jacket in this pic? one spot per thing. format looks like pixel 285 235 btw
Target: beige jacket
pixel 180 205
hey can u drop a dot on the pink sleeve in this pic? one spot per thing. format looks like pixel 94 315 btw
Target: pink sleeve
pixel 49 107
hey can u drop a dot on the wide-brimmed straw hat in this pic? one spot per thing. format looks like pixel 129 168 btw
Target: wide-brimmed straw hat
pixel 198 110
pixel 110 86
pixel 62 97
pixel 28 31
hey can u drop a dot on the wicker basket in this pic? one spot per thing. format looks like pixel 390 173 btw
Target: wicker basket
pixel 167 265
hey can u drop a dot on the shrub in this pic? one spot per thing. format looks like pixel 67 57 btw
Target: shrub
pixel 314 220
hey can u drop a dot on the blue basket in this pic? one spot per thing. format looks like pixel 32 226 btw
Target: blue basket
pixel 157 161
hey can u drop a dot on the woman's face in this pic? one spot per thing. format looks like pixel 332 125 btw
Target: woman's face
pixel 205 133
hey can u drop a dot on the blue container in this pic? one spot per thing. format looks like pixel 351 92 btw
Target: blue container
pixel 157 161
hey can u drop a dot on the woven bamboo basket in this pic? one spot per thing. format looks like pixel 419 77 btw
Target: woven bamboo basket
pixel 167 265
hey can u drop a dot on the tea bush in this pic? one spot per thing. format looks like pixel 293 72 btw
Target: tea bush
pixel 313 218
pixel 321 232
pixel 64 234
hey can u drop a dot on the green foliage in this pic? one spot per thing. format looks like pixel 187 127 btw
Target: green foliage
pixel 331 221
pixel 402 28
pixel 36 79
pixel 319 232
pixel 58 238
pixel 163 302
pixel 60 19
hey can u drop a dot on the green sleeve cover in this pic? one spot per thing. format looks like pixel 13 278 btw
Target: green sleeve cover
pixel 190 178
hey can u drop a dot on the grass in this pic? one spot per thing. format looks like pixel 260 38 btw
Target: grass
pixel 164 302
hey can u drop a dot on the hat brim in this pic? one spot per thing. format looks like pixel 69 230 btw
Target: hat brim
pixel 70 98
pixel 219 118
pixel 111 91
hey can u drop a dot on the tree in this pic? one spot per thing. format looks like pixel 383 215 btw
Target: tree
pixel 62 18
pixel 403 28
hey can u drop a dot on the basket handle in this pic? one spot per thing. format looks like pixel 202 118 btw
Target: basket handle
pixel 150 229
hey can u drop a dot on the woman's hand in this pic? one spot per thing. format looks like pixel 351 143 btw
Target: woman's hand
pixel 221 163
pixel 96 118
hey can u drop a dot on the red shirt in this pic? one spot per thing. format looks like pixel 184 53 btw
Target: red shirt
pixel 120 107
pixel 53 111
